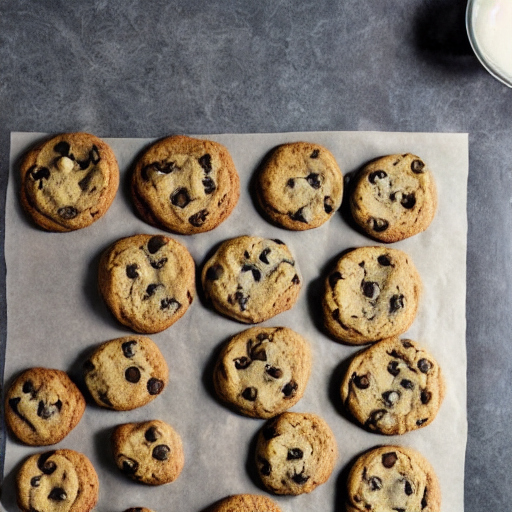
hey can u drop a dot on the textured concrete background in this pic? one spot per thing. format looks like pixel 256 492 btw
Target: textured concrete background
pixel 134 68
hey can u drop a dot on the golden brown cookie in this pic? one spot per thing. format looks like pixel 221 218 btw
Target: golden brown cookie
pixel 295 453
pixel 126 373
pixel 42 406
pixel 263 371
pixel 185 185
pixel 393 387
pixel 251 279
pixel 394 197
pixel 371 294
pixel 69 181
pixel 245 503
pixel 150 452
pixel 147 281
pixel 300 186
pixel 57 481
pixel 393 479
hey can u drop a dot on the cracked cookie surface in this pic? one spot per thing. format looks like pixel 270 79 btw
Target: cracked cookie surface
pixel 263 371
pixel 245 503
pixel 251 279
pixel 295 453
pixel 371 294
pixel 185 185
pixel 57 481
pixel 150 452
pixel 393 387
pixel 300 186
pixel 394 197
pixel 69 181
pixel 392 479
pixel 126 373
pixel 42 406
pixel 147 281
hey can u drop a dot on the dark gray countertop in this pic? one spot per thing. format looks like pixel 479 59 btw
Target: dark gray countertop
pixel 128 68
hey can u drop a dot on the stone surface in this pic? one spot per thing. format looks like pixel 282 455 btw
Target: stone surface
pixel 128 68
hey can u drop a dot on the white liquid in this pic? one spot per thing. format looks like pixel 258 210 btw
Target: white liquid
pixel 491 23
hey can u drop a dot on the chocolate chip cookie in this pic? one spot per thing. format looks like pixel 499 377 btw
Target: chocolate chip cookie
pixel 150 452
pixel 69 181
pixel 245 503
pixel 126 373
pixel 295 453
pixel 147 281
pixel 57 481
pixel 394 197
pixel 393 479
pixel 42 406
pixel 300 186
pixel 251 279
pixel 371 294
pixel 393 387
pixel 263 371
pixel 185 185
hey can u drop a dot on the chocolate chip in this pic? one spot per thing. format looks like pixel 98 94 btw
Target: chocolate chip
pixel 85 181
pixel 265 468
pixel 155 243
pixel 274 372
pixel 389 459
pixel 62 148
pixel 328 204
pixel 425 396
pixel 290 183
pixel 242 300
pixel 393 368
pixel 361 381
pixel 298 216
pixel 294 454
pixel 169 303
pixel 417 166
pixel 300 478
pixel 290 389
pixel 94 155
pixel 131 271
pixel 408 201
pixel 39 174
pixel 67 212
pixel 199 218
pixel 314 180
pixel 424 501
pixel 407 384
pixel 241 363
pixel 45 465
pixel 376 175
pixel 424 365
pixel 406 344
pixel 258 353
pixel 180 197
pixel 84 163
pixel 150 290
pixel 370 289
pixel 391 398
pixel 46 411
pixel 206 163
pixel 269 432
pixel 375 417
pixel 155 386
pixel 214 272
pixel 421 422
pixel 384 260
pixel 161 452
pixel 28 386
pixel 209 185
pixel 35 481
pixel 334 278
pixel 255 272
pixel 130 466
pixel 132 374
pixel 57 494
pixel 395 303
pixel 264 254
pixel 161 167
pixel 379 225
pixel 128 348
pixel 151 435
pixel 408 488
pixel 315 153
pixel 375 483
pixel 102 395
pixel 250 394
pixel 296 279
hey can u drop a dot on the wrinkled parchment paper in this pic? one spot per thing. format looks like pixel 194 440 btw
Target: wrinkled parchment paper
pixel 56 318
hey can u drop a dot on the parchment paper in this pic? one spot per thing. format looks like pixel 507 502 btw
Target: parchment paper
pixel 56 317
